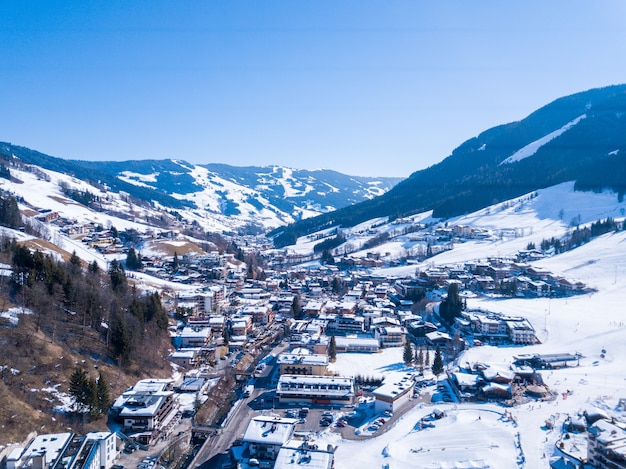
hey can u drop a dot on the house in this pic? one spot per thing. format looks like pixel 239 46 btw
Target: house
pixel 395 391
pixel 195 336
pixel 315 389
pixel 391 336
pixel 466 385
pixel 241 325
pixel 265 435
pixel 261 314
pixel 146 408
pixel 185 357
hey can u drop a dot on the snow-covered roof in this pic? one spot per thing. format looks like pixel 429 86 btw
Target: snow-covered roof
pixel 269 430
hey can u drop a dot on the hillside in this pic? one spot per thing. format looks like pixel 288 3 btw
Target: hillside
pixel 215 197
pixel 578 138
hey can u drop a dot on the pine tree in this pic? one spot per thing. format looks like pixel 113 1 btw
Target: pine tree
pixel 79 389
pixel 420 359
pixel 426 358
pixel 437 362
pixel 102 395
pixel 332 348
pixel 133 261
pixel 407 356
pixel 118 277
pixel 296 310
pixel 175 263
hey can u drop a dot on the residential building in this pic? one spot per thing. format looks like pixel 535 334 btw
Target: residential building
pixel 606 445
pixel 391 336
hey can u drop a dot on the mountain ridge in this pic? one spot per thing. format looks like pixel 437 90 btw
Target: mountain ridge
pixel 214 195
pixel 472 177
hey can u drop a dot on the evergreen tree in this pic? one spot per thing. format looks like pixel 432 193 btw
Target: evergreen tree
pixel 420 359
pixel 332 348
pixel 118 277
pixel 93 267
pixel 407 356
pixel 133 261
pixel 102 393
pixel 80 389
pixel 175 262
pixel 426 358
pixel 451 306
pixel 437 368
pixel 296 309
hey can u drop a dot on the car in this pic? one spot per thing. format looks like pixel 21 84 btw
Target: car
pixel 387 413
pixel 325 423
pixel 341 423
pixel 373 427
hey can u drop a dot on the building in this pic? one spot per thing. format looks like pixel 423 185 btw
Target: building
pixel 97 450
pixel 303 364
pixel 396 390
pixel 391 336
pixel 606 446
pixel 195 336
pixel 356 344
pixel 315 389
pixel 146 409
pixel 303 454
pixel 265 435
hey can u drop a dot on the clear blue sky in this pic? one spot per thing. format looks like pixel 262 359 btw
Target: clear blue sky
pixel 371 88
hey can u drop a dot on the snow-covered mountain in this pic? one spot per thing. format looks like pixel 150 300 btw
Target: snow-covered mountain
pixel 216 197
pixel 579 138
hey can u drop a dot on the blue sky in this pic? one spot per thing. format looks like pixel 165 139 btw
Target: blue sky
pixel 367 88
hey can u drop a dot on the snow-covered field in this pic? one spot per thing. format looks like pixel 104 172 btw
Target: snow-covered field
pixel 587 324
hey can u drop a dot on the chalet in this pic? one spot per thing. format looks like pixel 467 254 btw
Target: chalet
pixel 241 325
pixel 217 324
pixel 466 385
pixel 261 314
pixel 390 336
pixel 185 357
pixel 497 391
pixel 313 308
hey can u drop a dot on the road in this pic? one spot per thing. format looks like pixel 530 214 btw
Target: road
pixel 212 453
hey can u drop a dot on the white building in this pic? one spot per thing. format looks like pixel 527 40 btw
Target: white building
pixel 315 389
pixel 606 446
pixel 265 435
pixel 298 454
pixel 395 391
